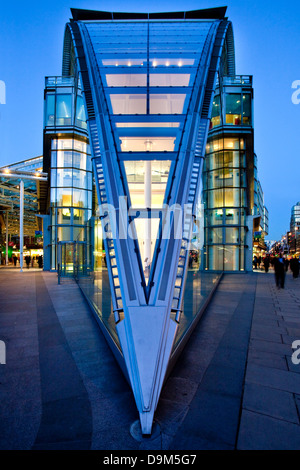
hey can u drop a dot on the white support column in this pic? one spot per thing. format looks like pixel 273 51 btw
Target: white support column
pixel 6 238
pixel 21 222
pixel 147 193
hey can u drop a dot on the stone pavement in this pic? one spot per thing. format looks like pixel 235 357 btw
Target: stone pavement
pixel 233 387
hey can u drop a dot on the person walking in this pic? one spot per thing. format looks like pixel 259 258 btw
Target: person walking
pixel 27 260
pixel 279 268
pixel 266 262
pixel 255 262
pixel 294 265
pixel 286 263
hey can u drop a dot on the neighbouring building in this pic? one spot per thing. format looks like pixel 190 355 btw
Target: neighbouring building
pixel 294 235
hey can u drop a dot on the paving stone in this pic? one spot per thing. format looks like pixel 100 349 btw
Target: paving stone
pixel 269 347
pixel 266 334
pixel 260 432
pixel 271 402
pixel 275 361
pixel 274 378
pixel 291 366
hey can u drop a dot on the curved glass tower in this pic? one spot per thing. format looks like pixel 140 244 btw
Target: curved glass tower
pixel 148 83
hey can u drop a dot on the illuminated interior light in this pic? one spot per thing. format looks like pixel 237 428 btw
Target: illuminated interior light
pixel 129 64
pixel 179 63
pixel 154 63
pixel 6 171
pixel 117 65
pixel 238 101
pixel 148 145
pixel 167 64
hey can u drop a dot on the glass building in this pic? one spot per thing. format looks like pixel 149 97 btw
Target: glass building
pixel 232 195
pixel 294 235
pixel 148 143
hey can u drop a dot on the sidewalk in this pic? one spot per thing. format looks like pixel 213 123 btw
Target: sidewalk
pixel 234 386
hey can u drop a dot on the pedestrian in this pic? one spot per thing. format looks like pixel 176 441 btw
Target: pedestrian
pixel 147 267
pixel 15 260
pixel 27 260
pixel 255 262
pixel 266 262
pixel 279 269
pixel 40 261
pixel 294 265
pixel 286 263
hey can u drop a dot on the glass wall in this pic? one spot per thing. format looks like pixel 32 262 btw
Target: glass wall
pixel 233 106
pixel 224 182
pixel 71 192
pixel 64 105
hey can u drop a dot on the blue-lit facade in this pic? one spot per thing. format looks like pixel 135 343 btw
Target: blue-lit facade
pixel 148 142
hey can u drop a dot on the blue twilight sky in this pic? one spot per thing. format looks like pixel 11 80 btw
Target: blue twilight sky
pixel 267 41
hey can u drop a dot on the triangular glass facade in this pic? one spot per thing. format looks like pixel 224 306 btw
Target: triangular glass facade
pixel 149 86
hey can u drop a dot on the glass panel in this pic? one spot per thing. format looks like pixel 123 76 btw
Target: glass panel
pixel 215 198
pixel 147 124
pixel 247 109
pixel 232 216
pixel 126 79
pixel 142 144
pixel 179 62
pixel 231 143
pixel 78 234
pixel 128 104
pixel 64 177
pixel 50 110
pixel 233 109
pixel 231 258
pixel 63 234
pixel 79 179
pixel 81 146
pixel 80 117
pixel 169 79
pixel 63 110
pixel 215 114
pixel 64 197
pixel 64 159
pixel 80 198
pixel 167 104
pixel 232 197
pixel 146 230
pixel 79 161
pixel 78 216
pixel 216 217
pixel 232 235
pixel 215 235
pixel 64 216
pixel 215 257
pixel 53 159
pixel 128 62
pixel 147 181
